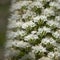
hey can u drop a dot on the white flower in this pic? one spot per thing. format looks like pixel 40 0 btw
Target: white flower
pixel 55 4
pixel 32 24
pixel 34 32
pixel 36 19
pixel 19 24
pixel 48 12
pixel 11 34
pixel 57 54
pixel 57 18
pixel 15 16
pixel 28 24
pixel 30 37
pixel 51 55
pixel 14 24
pixel 19 4
pixel 54 54
pixel 43 29
pixel 38 48
pixel 40 30
pixel 48 40
pixel 25 25
pixel 56 34
pixel 37 4
pixel 46 29
pixel 28 14
pixel 22 33
pixel 41 17
pixel 15 6
pixel 52 4
pixel 53 23
pixel 17 43
pixel 20 44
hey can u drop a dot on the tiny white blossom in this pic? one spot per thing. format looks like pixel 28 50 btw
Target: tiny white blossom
pixel 11 34
pixel 30 36
pixel 57 18
pixel 34 32
pixel 42 17
pixel 52 4
pixel 14 24
pixel 25 25
pixel 36 19
pixel 28 14
pixel 48 12
pixel 48 40
pixel 38 48
pixel 46 29
pixel 40 30
pixel 37 4
pixel 28 24
pixel 56 34
pixel 51 55
pixel 43 29
pixel 57 54
pixel 20 44
pixel 15 16
pixel 53 23
pixel 55 4
pixel 22 33
pixel 18 5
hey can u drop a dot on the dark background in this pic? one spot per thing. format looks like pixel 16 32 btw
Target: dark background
pixel 4 13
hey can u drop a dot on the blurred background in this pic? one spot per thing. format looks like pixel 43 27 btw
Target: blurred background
pixel 4 13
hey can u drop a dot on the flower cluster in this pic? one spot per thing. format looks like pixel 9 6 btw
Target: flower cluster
pixel 34 30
